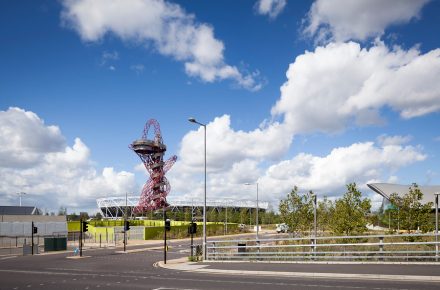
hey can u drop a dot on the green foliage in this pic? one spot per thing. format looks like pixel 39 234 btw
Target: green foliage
pixel 349 214
pixel 297 211
pixel 410 212
pixel 324 214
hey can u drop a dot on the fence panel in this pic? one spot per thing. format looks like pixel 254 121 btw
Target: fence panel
pixel 406 247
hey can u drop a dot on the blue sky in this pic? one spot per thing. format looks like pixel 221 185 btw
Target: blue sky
pixel 306 95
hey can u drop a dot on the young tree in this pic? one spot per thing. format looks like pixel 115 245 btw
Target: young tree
pixel 411 213
pixel 324 214
pixel 62 211
pixel 350 213
pixel 297 211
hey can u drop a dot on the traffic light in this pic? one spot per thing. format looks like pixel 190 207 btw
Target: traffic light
pixel 126 225
pixel 192 228
pixel 35 230
pixel 84 226
pixel 167 225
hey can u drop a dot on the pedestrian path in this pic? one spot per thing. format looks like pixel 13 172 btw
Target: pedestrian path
pixel 378 271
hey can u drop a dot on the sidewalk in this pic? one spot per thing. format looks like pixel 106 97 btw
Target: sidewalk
pixel 428 272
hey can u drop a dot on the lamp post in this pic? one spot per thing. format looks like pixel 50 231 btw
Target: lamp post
pixel 193 120
pixel 315 197
pixel 256 218
pixel 436 225
pixel 20 194
pixel 125 220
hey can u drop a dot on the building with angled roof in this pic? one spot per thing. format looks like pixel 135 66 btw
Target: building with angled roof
pixel 19 210
pixel 386 189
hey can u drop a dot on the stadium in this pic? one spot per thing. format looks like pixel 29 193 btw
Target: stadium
pixel 115 207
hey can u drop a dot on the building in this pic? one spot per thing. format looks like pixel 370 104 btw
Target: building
pixel 16 225
pixel 19 210
pixel 115 207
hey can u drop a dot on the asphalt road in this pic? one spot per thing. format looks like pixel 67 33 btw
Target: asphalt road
pixel 108 269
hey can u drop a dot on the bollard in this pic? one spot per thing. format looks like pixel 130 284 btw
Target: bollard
pixel 258 250
pixel 213 252
pixel 100 240
pixel 381 248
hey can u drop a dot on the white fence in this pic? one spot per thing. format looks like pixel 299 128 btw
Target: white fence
pixel 404 247
pixel 24 229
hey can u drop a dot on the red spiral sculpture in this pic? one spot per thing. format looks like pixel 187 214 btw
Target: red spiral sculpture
pixel 151 152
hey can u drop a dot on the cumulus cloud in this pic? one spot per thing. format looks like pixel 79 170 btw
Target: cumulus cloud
pixel 24 138
pixel 270 7
pixel 342 20
pixel 342 83
pixel 236 157
pixel 327 175
pixel 359 162
pixel 384 139
pixel 227 146
pixel 172 31
pixel 36 159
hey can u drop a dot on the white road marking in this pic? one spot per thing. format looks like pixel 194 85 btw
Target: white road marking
pixel 7 257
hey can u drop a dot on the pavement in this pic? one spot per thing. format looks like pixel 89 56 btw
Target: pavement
pixel 426 272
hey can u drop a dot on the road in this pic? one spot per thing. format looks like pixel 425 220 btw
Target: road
pixel 111 269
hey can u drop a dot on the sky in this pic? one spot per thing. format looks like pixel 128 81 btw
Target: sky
pixel 314 94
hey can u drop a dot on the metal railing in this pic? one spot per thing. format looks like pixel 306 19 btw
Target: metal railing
pixel 402 247
pixel 13 245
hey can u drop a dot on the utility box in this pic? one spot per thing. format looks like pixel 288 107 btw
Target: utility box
pixel 55 244
pixel 27 249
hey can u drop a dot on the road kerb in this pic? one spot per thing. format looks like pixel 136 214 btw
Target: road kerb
pixel 182 265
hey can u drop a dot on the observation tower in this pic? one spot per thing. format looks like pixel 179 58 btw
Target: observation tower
pixel 151 152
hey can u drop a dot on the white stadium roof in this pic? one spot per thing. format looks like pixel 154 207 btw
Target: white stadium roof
pixel 386 189
pixel 119 201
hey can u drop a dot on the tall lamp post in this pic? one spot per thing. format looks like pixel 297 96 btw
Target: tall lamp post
pixel 20 194
pixel 193 120
pixel 314 196
pixel 436 225
pixel 256 218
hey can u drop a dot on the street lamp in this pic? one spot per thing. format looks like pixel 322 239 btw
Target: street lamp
pixel 436 225
pixel 256 218
pixel 20 194
pixel 193 120
pixel 314 196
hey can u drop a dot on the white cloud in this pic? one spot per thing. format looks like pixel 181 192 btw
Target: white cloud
pixel 270 7
pixel 384 139
pixel 171 30
pixel 326 175
pixel 359 162
pixel 24 138
pixel 227 146
pixel 106 56
pixel 36 160
pixel 342 20
pixel 138 68
pixel 342 84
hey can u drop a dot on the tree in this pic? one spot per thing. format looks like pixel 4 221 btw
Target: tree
pixel 350 213
pixel 324 214
pixel 62 211
pixel 411 213
pixel 98 216
pixel 297 211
